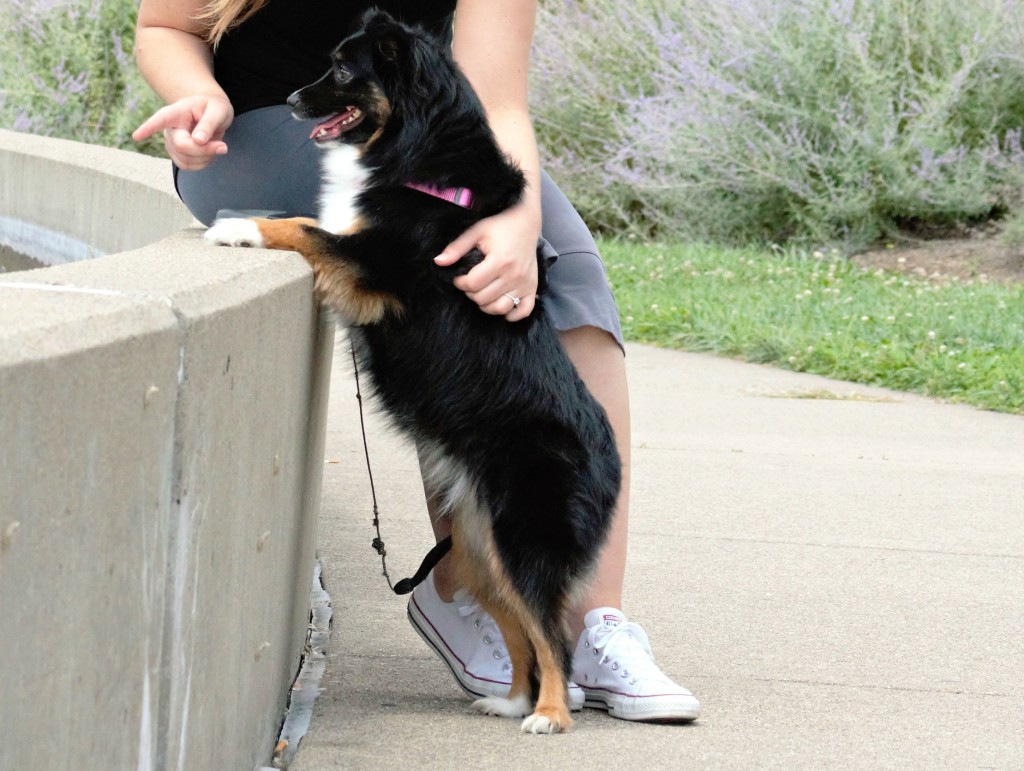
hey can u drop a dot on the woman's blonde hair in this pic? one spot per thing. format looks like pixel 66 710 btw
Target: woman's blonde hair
pixel 219 16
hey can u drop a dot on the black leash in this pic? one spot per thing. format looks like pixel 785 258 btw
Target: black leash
pixel 434 556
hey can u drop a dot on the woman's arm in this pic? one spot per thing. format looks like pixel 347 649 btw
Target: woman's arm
pixel 492 46
pixel 176 61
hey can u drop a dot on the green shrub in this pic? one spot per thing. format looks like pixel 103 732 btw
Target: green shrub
pixel 67 71
pixel 825 122
pixel 816 121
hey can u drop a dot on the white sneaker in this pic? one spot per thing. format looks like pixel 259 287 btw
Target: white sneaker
pixel 468 640
pixel 614 666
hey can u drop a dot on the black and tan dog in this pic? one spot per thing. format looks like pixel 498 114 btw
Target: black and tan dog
pixel 510 439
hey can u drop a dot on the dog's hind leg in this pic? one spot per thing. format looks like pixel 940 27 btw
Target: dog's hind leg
pixel 534 590
pixel 519 701
pixel 535 644
pixel 475 576
pixel 551 713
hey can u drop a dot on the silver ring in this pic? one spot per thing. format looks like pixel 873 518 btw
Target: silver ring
pixel 515 300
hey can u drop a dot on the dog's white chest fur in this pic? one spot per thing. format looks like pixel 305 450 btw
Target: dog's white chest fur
pixel 344 178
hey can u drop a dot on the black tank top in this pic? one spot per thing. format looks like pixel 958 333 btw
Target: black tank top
pixel 286 45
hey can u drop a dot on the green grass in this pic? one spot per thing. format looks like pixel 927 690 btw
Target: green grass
pixel 822 314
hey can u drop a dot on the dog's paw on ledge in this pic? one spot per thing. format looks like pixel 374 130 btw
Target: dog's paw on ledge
pixel 234 232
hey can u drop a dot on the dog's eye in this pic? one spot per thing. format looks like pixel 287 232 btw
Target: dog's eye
pixel 342 74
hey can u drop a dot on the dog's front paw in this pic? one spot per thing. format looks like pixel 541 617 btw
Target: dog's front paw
pixel 495 705
pixel 234 232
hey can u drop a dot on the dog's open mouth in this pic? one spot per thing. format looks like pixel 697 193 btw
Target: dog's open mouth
pixel 336 125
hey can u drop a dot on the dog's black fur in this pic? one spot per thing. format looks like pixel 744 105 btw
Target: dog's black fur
pixel 514 443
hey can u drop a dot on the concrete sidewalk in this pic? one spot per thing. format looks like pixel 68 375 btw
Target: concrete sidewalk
pixel 839 580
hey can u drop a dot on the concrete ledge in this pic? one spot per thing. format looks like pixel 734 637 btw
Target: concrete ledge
pixel 110 199
pixel 162 413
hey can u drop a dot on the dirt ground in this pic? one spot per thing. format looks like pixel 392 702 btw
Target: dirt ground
pixel 982 257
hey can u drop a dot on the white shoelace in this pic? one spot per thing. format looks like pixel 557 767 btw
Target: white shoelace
pixel 628 649
pixel 490 634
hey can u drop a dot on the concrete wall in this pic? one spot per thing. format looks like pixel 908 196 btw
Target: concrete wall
pixel 161 446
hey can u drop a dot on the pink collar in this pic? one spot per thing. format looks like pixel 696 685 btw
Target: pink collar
pixel 460 196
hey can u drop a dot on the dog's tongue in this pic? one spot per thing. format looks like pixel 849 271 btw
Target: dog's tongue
pixel 331 126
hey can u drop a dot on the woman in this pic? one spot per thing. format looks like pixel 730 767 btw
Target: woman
pixel 225 69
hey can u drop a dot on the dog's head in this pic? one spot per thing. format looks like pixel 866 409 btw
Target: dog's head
pixel 357 96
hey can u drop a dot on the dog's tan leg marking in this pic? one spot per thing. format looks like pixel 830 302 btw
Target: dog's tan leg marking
pixel 286 234
pixel 472 575
pixel 551 712
pixel 519 650
pixel 485 577
pixel 337 281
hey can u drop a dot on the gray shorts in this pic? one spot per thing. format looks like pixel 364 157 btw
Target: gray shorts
pixel 272 165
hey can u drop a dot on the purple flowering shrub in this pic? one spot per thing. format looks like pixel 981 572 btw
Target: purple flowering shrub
pixel 66 70
pixel 817 121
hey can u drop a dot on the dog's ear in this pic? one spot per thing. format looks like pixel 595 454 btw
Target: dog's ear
pixel 386 33
pixel 375 16
pixel 388 48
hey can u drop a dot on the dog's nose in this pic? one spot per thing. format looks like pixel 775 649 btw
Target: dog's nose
pixel 293 99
